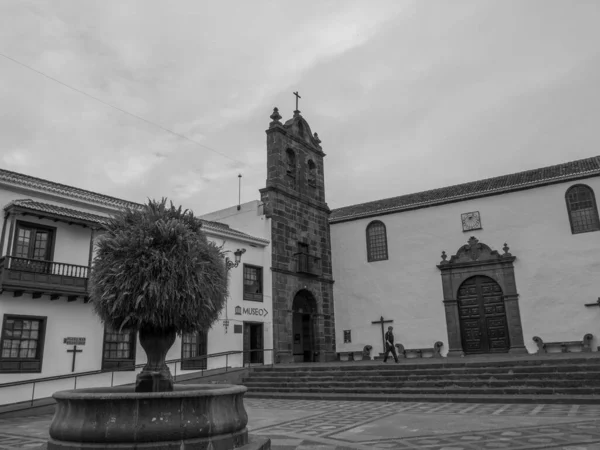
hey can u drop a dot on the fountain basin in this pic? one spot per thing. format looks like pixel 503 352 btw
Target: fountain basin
pixel 189 417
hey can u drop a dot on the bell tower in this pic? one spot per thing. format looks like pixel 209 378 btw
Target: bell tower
pixel 294 200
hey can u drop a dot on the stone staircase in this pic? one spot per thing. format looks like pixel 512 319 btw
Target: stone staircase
pixel 542 380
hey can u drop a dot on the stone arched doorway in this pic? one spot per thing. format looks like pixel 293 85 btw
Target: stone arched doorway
pixel 304 312
pixel 482 316
pixel 498 274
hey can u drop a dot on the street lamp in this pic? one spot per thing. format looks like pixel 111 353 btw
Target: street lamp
pixel 238 257
pixel 230 265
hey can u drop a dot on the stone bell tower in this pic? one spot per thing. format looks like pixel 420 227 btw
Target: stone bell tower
pixel 294 200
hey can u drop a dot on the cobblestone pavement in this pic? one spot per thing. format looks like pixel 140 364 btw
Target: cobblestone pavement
pixel 337 425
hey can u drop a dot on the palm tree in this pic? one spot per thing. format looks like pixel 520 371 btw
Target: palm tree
pixel 156 272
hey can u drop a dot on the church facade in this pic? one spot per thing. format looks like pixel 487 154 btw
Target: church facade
pixel 483 267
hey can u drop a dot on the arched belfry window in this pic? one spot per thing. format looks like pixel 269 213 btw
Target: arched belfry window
pixel 312 173
pixel 291 162
pixel 583 212
pixel 376 241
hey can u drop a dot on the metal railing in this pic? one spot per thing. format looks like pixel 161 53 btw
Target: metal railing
pixel 75 376
pixel 45 267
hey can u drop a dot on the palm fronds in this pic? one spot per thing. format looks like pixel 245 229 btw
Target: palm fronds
pixel 154 267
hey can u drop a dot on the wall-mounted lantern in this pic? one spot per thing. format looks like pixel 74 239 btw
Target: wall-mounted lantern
pixel 238 310
pixel 238 257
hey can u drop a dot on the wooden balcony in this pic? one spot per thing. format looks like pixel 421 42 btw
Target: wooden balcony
pixel 308 264
pixel 22 275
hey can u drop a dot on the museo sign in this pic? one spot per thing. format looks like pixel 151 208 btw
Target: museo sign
pixel 256 312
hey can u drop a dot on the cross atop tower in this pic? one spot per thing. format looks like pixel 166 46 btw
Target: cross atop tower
pixel 297 97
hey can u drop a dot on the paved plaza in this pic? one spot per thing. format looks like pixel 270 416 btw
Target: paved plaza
pixel 336 425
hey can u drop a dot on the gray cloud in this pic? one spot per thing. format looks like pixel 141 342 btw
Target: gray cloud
pixel 405 95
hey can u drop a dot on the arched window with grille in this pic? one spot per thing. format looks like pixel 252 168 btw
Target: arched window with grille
pixel 376 241
pixel 583 212
pixel 312 173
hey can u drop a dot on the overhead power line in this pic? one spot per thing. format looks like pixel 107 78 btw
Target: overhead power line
pixel 121 110
pixel 127 112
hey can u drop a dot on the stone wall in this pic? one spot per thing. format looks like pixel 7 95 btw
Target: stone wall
pixel 294 200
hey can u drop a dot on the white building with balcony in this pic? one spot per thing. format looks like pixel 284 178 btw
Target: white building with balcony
pixel 48 328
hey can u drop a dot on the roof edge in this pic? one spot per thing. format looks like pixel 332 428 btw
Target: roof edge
pixel 464 197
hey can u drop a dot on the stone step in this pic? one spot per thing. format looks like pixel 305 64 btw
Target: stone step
pixel 435 391
pixel 399 370
pixel 376 366
pixel 359 385
pixel 375 377
pixel 436 398
pixel 437 364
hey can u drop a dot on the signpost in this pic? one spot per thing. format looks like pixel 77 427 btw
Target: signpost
pixel 74 341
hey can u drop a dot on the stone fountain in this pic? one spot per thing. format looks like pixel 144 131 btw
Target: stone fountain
pixel 190 417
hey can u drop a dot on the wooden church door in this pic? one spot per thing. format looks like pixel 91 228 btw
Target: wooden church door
pixel 482 316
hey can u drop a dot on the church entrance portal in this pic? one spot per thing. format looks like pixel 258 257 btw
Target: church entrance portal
pixel 304 310
pixel 482 316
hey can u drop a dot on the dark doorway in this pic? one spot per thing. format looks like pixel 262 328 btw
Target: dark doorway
pixel 304 310
pixel 482 316
pixel 253 340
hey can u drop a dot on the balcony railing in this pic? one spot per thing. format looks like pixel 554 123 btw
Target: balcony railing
pixel 308 264
pixel 43 276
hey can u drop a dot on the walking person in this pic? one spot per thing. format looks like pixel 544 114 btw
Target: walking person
pixel 389 345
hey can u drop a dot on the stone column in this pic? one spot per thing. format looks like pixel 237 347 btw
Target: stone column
pixel 453 326
pixel 513 314
pixel 319 336
pixel 513 321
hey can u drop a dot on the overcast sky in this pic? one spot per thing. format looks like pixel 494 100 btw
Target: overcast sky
pixel 405 95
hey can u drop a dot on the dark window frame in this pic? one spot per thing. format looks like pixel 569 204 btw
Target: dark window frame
pixel 302 257
pixel 7 364
pixel 195 364
pixel 253 296
pixel 589 227
pixel 371 256
pixel 22 224
pixel 125 364
pixel 347 336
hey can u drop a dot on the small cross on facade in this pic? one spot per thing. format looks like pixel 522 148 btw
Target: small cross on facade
pixel 297 97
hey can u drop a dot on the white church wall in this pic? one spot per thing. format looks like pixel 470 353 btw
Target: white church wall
pixel 556 271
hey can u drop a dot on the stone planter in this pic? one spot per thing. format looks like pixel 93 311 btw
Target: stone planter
pixel 190 417
pixel 358 356
pixel 344 356
pixel 155 376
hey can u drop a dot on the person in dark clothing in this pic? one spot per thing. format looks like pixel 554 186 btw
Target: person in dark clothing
pixel 389 345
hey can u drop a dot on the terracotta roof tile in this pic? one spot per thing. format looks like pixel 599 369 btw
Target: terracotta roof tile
pixel 93 197
pixel 61 211
pixel 68 213
pixel 62 189
pixel 490 186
